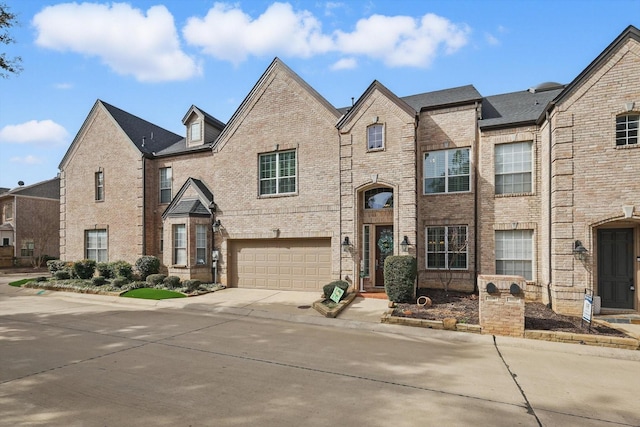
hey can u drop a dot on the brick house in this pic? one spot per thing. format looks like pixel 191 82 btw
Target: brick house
pixel 293 192
pixel 29 223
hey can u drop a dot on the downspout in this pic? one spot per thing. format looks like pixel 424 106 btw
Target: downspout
pixel 549 219
pixel 476 198
pixel 144 204
pixel 15 230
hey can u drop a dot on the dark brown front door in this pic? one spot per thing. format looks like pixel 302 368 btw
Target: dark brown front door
pixel 615 267
pixel 384 248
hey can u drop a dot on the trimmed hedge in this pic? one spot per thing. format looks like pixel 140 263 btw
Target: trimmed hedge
pixel 172 281
pixel 84 269
pixel 191 285
pixel 155 279
pixel 328 288
pixel 56 265
pixel 98 281
pixel 105 269
pixel 122 269
pixel 400 273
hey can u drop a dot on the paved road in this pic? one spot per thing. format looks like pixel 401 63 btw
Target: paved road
pixel 73 361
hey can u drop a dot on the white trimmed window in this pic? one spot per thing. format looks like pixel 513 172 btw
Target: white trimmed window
pixel 277 173
pixel 627 129
pixel 165 185
pixel 447 171
pixel 99 185
pixel 513 168
pixel 96 245
pixel 514 253
pixel 201 244
pixel 447 247
pixel 375 137
pixel 196 131
pixel 180 244
pixel 8 211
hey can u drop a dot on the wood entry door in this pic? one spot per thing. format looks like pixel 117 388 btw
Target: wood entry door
pixel 384 247
pixel 615 268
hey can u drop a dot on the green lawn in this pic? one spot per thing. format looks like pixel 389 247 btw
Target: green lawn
pixel 19 283
pixel 149 293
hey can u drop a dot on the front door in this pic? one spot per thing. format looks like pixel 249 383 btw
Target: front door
pixel 384 248
pixel 615 268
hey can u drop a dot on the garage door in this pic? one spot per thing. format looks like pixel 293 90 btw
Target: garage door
pixel 288 264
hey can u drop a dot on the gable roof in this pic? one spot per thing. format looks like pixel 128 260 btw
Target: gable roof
pixel 521 107
pixel 146 136
pixel 200 206
pixel 275 65
pixel 49 189
pixel 442 98
pixel 375 85
pixel 208 118
pixel 630 32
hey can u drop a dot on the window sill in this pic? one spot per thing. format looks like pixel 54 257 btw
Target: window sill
pixel 179 266
pixel 447 194
pixel 627 147
pixel 273 196
pixel 506 195
pixel 375 150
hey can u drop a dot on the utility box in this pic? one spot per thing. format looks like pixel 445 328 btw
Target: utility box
pixel 501 305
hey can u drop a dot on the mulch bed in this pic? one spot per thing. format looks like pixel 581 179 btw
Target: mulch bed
pixel 464 307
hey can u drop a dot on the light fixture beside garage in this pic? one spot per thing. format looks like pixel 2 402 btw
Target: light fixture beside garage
pixel 276 232
pixel 215 227
pixel 346 244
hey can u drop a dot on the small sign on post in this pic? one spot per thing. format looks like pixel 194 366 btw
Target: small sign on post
pixel 587 307
pixel 336 294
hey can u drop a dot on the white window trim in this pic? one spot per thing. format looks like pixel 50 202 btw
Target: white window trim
pixel 277 178
pixel 197 137
pixel 446 176
pixel 177 248
pixel 98 248
pixel 170 187
pixel 531 171
pixel 382 137
pixel 201 232
pixel 532 249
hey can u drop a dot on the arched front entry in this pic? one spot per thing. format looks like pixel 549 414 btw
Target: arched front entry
pixel 376 213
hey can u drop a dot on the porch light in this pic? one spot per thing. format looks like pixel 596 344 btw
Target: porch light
pixel 404 245
pixel 579 251
pixel 346 244
pixel 216 226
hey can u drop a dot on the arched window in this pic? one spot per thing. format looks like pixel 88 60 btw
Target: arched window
pixel 378 198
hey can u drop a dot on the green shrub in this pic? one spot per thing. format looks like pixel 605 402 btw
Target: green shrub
pixel 155 279
pixel 147 265
pixel 399 277
pixel 98 281
pixel 62 275
pixel 191 285
pixel 40 279
pixel 122 269
pixel 328 288
pixel 56 265
pixel 172 281
pixel 119 282
pixel 84 269
pixel 105 269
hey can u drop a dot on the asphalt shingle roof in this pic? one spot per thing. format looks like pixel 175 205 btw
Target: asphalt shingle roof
pixel 46 189
pixel 188 207
pixel 456 95
pixel 149 138
pixel 515 107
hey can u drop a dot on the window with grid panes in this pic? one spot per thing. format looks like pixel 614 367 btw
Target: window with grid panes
pixel 375 137
pixel 447 171
pixel 627 129
pixel 447 247
pixel 277 173
pixel 201 244
pixel 96 245
pixel 514 253
pixel 513 168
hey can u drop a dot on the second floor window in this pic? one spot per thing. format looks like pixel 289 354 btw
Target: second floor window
pixel 375 137
pixel 447 171
pixel 8 211
pixel 165 185
pixel 99 183
pixel 627 129
pixel 277 173
pixel 195 131
pixel 513 168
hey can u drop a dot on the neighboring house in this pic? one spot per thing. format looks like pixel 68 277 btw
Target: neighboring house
pixel 293 192
pixel 29 230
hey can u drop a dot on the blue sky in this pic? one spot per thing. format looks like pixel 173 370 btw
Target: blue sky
pixel 155 58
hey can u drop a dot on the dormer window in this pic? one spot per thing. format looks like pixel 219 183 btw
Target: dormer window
pixel 196 132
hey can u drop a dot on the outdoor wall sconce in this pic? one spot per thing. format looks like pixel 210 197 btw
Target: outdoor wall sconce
pixel 216 226
pixel 404 245
pixel 579 251
pixel 514 289
pixel 492 288
pixel 346 244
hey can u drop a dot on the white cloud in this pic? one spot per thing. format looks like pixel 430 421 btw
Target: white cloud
pixel 63 86
pixel 35 132
pixel 332 6
pixel 402 40
pixel 124 38
pixel 491 39
pixel 345 64
pixel 27 160
pixel 227 33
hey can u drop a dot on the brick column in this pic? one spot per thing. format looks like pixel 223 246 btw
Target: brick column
pixel 501 305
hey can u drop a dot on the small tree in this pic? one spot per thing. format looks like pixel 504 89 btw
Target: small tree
pixel 455 254
pixel 147 265
pixel 8 20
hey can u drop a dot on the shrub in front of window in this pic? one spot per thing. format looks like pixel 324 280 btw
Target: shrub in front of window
pixel 400 273
pixel 84 269
pixel 172 282
pixel 98 281
pixel 147 265
pixel 155 279
pixel 119 282
pixel 328 288
pixel 56 265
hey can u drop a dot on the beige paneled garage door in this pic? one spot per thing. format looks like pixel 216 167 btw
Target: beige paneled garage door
pixel 289 264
